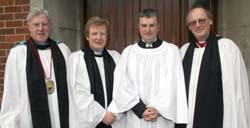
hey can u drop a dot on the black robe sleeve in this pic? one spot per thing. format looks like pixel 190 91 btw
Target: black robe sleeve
pixel 139 108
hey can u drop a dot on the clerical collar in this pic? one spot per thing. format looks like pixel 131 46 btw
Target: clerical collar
pixel 155 44
pixel 201 44
pixel 40 45
pixel 98 54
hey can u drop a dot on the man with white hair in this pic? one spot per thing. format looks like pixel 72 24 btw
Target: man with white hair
pixel 35 85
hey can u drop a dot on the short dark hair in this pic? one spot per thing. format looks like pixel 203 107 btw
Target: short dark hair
pixel 98 21
pixel 148 13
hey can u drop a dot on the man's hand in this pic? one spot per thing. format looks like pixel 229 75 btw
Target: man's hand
pixel 109 118
pixel 150 114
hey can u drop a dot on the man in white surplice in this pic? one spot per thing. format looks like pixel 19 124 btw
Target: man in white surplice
pixel 90 78
pixel 215 75
pixel 149 90
pixel 35 85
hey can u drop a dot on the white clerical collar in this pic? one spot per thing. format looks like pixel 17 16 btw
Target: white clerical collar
pixel 148 45
pixel 97 53
pixel 202 42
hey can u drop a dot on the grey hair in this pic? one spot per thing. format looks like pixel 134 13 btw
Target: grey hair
pixel 148 13
pixel 37 11
pixel 208 13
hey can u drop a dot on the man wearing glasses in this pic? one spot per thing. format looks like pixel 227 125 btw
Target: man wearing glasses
pixel 215 77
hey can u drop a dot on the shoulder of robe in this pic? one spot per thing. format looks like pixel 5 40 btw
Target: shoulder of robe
pixel 19 44
pixel 219 37
pixel 58 41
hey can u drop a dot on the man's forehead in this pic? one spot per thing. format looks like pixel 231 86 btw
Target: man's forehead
pixel 147 20
pixel 197 13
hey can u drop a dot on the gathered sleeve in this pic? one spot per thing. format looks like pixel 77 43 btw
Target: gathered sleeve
pixel 125 95
pixel 235 86
pixel 11 108
pixel 85 112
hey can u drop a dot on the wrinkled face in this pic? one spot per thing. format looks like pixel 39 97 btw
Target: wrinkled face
pixel 148 28
pixel 39 27
pixel 199 24
pixel 97 37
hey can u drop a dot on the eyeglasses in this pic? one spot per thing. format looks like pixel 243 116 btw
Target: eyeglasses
pixel 36 25
pixel 195 22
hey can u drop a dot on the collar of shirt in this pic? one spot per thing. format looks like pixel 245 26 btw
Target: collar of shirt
pixel 155 44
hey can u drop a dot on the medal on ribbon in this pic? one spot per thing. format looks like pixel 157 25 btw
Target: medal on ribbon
pixel 50 86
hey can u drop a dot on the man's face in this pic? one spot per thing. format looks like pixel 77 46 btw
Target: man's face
pixel 199 24
pixel 39 27
pixel 148 28
pixel 97 37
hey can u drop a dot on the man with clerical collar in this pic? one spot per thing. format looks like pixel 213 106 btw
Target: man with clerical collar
pixel 149 90
pixel 35 85
pixel 215 77
pixel 90 76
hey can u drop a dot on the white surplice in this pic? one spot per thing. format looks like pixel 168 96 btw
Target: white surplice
pixel 156 77
pixel 15 111
pixel 234 80
pixel 85 112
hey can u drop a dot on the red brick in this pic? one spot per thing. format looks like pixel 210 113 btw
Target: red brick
pixel 2 68
pixel 14 24
pixel 21 16
pixel 15 38
pixel 7 31
pixel 3 53
pixel 13 9
pixel 1 24
pixel 22 2
pixel 26 8
pixel 6 16
pixel 25 23
pixel 2 60
pixel 1 10
pixel 27 36
pixel 6 2
pixel 5 45
pixel 2 38
pixel 1 87
pixel 22 30
pixel 1 80
pixel 1 75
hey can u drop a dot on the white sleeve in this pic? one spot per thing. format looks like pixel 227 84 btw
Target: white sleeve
pixel 84 111
pixel 124 93
pixel 11 109
pixel 65 51
pixel 241 87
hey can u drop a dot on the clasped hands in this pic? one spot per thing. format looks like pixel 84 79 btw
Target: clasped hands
pixel 109 118
pixel 150 114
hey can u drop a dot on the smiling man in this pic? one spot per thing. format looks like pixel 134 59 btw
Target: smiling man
pixel 35 85
pixel 149 82
pixel 90 76
pixel 215 77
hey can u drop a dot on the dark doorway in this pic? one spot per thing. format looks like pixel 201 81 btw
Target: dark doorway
pixel 122 15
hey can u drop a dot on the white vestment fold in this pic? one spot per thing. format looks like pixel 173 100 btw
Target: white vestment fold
pixel 15 111
pixel 156 77
pixel 234 81
pixel 84 112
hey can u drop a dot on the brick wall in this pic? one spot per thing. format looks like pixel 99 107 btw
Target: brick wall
pixel 12 29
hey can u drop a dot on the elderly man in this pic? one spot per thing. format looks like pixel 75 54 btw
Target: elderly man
pixel 215 76
pixel 35 85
